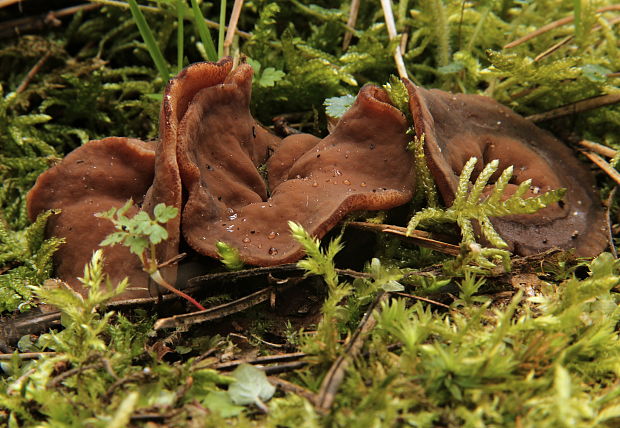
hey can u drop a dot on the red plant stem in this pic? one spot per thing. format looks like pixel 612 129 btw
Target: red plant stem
pixel 156 276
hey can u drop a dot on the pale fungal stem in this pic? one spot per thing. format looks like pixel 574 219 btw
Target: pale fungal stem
pixel 355 7
pixel 232 26
pixel 391 27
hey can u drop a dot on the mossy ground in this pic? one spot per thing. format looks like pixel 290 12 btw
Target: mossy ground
pixel 534 347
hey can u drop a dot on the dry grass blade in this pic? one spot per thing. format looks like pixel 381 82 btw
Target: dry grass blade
pixel 232 26
pixel 268 359
pixel 598 148
pixel 553 48
pixel 287 386
pixel 334 377
pixel 577 107
pixel 391 27
pixel 567 39
pixel 424 299
pixel 26 355
pixel 353 11
pixel 40 22
pixel 604 165
pixel 215 312
pixel 5 3
pixel 421 238
pixel 555 24
pixel 610 237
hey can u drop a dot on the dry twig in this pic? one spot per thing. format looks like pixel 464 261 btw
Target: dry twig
pixel 334 377
pixel 421 238
pixel 604 165
pixel 232 26
pixel 353 11
pixel 598 148
pixel 39 22
pixel 26 355
pixel 555 24
pixel 391 27
pixel 610 234
pixel 567 39
pixel 577 107
pixel 215 312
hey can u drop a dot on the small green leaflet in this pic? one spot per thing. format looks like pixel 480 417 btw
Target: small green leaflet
pixel 595 73
pixel 337 106
pixel 268 77
pixel 251 386
pixel 453 67
pixel 220 402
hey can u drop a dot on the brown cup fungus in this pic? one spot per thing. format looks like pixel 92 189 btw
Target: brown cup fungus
pixel 459 126
pixel 93 178
pixel 362 165
pixel 208 160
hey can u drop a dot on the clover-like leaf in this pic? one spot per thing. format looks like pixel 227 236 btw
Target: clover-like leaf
pixel 157 234
pixel 221 403
pixel 337 106
pixel 163 213
pixel 269 77
pixel 251 387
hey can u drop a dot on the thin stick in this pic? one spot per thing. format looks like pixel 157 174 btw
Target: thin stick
pixel 598 148
pixel 610 234
pixel 424 299
pixel 553 48
pixel 421 238
pixel 268 359
pixel 65 375
pixel 353 11
pixel 334 377
pixel 5 3
pixel 220 34
pixel 33 71
pixel 232 26
pixel 215 312
pixel 152 9
pixel 567 39
pixel 553 25
pixel 391 27
pixel 16 26
pixel 26 355
pixel 578 107
pixel 287 386
pixel 602 164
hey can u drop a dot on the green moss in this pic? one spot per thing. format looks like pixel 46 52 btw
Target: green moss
pixel 546 360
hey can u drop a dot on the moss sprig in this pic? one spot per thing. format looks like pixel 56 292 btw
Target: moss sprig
pixel 469 205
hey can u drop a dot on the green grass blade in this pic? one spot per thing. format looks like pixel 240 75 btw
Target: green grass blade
pixel 179 35
pixel 220 38
pixel 203 32
pixel 577 20
pixel 149 39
